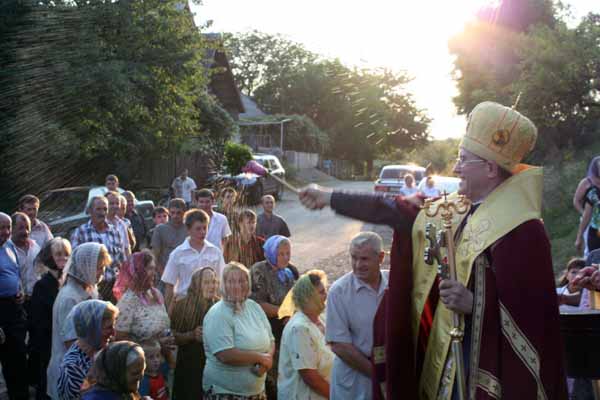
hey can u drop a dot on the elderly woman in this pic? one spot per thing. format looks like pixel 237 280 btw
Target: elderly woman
pixel 94 322
pixel 186 322
pixel 142 311
pixel 117 372
pixel 84 270
pixel 305 360
pixel 272 279
pixel 50 261
pixel 238 342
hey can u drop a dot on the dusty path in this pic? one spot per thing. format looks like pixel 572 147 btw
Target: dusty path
pixel 320 238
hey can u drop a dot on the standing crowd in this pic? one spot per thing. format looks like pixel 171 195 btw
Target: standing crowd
pixel 206 304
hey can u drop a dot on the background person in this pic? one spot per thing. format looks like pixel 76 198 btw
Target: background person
pixel 268 223
pixel 94 322
pixel 184 186
pixel 27 251
pixel 51 261
pixel 218 227
pixel 186 322
pixel 13 329
pixel 244 246
pixel 84 270
pixel 238 341
pixel 112 183
pixel 409 187
pixel 30 204
pixel 169 235
pixel 305 359
pixel 154 384
pixel 138 225
pixel 160 215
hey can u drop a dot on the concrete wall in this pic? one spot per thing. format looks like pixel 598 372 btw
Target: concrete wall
pixel 301 160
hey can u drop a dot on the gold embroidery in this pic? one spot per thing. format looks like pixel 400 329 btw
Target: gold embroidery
pixel 522 347
pixel 473 237
pixel 481 263
pixel 445 389
pixel 379 354
pixel 489 383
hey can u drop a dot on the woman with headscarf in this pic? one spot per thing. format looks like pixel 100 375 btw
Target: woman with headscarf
pixel 50 262
pixel 591 180
pixel 238 342
pixel 117 372
pixel 94 322
pixel 590 220
pixel 305 359
pixel 84 270
pixel 272 279
pixel 186 322
pixel 142 312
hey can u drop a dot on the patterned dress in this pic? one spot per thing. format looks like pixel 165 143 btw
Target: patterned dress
pixel 140 321
pixel 73 370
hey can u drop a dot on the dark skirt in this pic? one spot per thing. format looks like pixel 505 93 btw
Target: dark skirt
pixel 593 239
pixel 187 383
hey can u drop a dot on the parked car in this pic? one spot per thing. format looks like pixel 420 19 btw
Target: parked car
pixel 443 183
pixel 391 177
pixel 65 209
pixel 253 187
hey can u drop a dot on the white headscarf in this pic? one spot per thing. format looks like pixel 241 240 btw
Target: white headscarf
pixel 83 263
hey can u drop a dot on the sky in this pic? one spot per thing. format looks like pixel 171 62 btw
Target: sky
pixel 410 35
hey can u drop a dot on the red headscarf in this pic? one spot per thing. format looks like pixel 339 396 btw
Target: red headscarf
pixel 133 275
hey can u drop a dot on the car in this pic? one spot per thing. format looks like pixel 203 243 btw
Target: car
pixel 391 177
pixel 65 209
pixel 253 187
pixel 443 183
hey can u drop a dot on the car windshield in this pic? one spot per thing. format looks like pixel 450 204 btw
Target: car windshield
pixel 394 173
pixel 60 204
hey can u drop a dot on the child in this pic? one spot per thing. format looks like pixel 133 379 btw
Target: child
pixel 569 295
pixel 160 215
pixel 153 384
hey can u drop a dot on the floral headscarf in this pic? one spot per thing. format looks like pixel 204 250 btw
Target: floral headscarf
pixel 133 275
pixel 304 292
pixel 83 263
pixel 271 247
pixel 87 319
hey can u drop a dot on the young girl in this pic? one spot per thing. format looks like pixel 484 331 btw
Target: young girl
pixel 569 295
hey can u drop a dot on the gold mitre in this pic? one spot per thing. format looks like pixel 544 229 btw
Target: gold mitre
pixel 501 134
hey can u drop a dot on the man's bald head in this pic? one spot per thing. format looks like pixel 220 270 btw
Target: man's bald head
pixel 5 227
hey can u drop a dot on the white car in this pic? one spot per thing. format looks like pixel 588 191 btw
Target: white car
pixel 391 178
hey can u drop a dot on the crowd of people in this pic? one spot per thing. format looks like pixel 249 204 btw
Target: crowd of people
pixel 209 305
pixel 206 304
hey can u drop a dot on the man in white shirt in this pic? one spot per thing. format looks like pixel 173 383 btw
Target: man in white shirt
pixel 351 306
pixel 27 250
pixel 218 229
pixel 30 204
pixel 183 186
pixel 193 254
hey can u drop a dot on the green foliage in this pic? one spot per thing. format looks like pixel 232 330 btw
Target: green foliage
pixel 364 112
pixel 441 154
pixel 553 67
pixel 236 156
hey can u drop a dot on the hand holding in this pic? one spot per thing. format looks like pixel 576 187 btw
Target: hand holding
pixel 456 296
pixel 315 197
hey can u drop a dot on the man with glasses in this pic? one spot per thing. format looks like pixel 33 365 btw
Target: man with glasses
pixel 505 290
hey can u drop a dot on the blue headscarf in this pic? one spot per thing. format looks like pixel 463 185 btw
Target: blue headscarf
pixel 87 320
pixel 271 248
pixel 592 171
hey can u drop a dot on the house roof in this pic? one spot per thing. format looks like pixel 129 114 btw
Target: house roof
pixel 222 83
pixel 251 108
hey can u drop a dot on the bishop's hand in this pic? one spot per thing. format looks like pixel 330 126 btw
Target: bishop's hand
pixel 315 197
pixel 456 297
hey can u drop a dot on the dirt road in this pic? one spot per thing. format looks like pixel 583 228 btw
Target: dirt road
pixel 320 238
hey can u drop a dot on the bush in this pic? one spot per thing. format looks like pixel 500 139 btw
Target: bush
pixel 236 156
